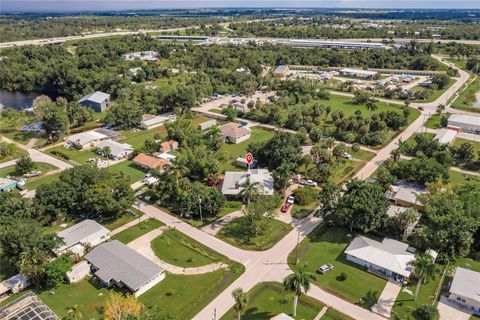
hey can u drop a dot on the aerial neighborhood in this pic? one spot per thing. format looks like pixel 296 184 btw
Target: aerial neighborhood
pixel 240 163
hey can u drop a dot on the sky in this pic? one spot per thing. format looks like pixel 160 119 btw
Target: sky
pixel 101 5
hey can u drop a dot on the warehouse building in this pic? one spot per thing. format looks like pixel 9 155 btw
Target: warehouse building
pixel 465 122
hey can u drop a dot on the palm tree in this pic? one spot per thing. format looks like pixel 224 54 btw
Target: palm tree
pixel 74 311
pixel 423 268
pixel 106 152
pixel 241 301
pixel 249 190
pixel 297 283
pixel 371 105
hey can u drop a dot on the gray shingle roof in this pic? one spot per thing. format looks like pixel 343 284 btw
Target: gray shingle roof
pixel 79 232
pixel 116 261
pixel 96 96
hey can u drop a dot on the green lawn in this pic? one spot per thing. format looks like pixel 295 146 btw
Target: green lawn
pixel 405 303
pixel 458 178
pixel 302 211
pixel 25 137
pixel 33 183
pixel 233 234
pixel 268 299
pixel 362 154
pixel 467 99
pixel 344 170
pixel 436 93
pixel 129 169
pixel 137 230
pixel 333 314
pixel 137 137
pixel 326 245
pixel 41 166
pixel 175 248
pixel 434 121
pixel 239 150
pixel 125 218
pixel 74 156
pixel 17 154
pixel 476 145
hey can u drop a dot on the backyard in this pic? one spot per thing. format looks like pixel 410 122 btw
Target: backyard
pixel 268 299
pixel 137 230
pixel 326 245
pixel 40 166
pixel 234 234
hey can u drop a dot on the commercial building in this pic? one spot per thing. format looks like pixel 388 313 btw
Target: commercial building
pixel 7 184
pixel 358 73
pixel 117 150
pixel 234 133
pixel 389 258
pixel 87 232
pixel 116 264
pixel 466 123
pixel 98 101
pixel 332 44
pixel 232 182
pixel 84 140
pixel 465 289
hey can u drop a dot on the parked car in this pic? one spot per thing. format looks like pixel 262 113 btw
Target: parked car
pixel 326 267
pixel 309 183
pixel 346 155
pixel 290 199
pixel 285 207
pixel 243 124
pixel 33 174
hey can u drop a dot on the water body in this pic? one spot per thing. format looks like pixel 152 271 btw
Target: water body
pixel 16 99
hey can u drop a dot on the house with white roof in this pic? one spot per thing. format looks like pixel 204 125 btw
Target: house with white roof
pixel 117 150
pixel 465 289
pixel 389 258
pixel 87 232
pixel 151 121
pixel 465 122
pixel 446 136
pixel 98 101
pixel 233 180
pixel 84 140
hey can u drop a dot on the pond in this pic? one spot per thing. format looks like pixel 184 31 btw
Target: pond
pixel 17 99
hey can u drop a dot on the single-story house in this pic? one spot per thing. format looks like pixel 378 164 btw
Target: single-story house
pixel 234 133
pixel 79 272
pixel 133 71
pixel 282 316
pixel 465 289
pixel 116 264
pixel 98 101
pixel 406 194
pixel 446 136
pixel 7 184
pixel 150 162
pixel 358 73
pixel 33 127
pixel 85 140
pixel 14 284
pixel 233 180
pixel 150 121
pixel 117 150
pixel 207 124
pixel 166 156
pixel 389 258
pixel 169 145
pixel 77 236
pixel 465 122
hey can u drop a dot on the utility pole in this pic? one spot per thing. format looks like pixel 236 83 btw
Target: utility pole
pixel 200 208
pixel 296 250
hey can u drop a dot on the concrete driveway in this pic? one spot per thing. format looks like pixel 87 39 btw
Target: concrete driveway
pixel 450 311
pixel 386 300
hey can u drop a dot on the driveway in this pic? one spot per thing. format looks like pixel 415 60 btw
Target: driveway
pixel 451 311
pixel 386 300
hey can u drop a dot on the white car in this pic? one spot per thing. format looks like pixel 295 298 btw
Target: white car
pixel 326 267
pixel 291 199
pixel 102 164
pixel 310 183
pixel 346 155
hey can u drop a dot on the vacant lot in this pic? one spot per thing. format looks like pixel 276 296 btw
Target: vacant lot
pixel 326 245
pixel 268 299
pixel 233 233
pixel 137 230
pixel 467 98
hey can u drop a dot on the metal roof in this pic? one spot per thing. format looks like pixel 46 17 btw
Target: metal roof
pixel 465 119
pixel 97 96
pixel 466 283
pixel 116 148
pixel 118 262
pixel 79 232
pixel 233 179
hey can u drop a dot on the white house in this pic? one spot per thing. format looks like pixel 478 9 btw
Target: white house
pixel 79 271
pixel 207 124
pixel 85 140
pixel 117 150
pixel 77 236
pixel 465 122
pixel 233 180
pixel 389 258
pixel 465 289
pixel 151 121
pixel 446 136
pixel 234 133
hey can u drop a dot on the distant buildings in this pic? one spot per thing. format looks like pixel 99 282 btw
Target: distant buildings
pixel 133 71
pixel 280 71
pixel 465 122
pixel 389 258
pixel 98 101
pixel 116 264
pixel 232 182
pixel 465 289
pixel 144 55
pixel 87 232
pixel 169 145
pixel 7 184
pixel 331 44
pixel 117 150
pixel 358 73
pixel 234 133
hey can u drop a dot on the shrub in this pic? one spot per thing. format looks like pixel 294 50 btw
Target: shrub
pixel 426 312
pixel 342 276
pixel 305 195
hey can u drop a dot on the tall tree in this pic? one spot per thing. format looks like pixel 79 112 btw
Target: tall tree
pixel 121 307
pixel 297 283
pixel 241 301
pixel 423 268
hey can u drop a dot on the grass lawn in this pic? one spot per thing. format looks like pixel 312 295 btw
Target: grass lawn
pixel 301 211
pixel 137 138
pixel 468 263
pixel 436 93
pixel 25 137
pixel 326 245
pixel 239 150
pixel 434 121
pixel 268 299
pixel 128 168
pixel 476 145
pixel 137 230
pixel 17 154
pixel 458 178
pixel 406 304
pixel 344 170
pixel 333 314
pixel 41 166
pixel 175 248
pixel 467 98
pixel 362 154
pixel 233 234
pixel 125 218
pixel 74 156
pixel 33 183
pixel 183 297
